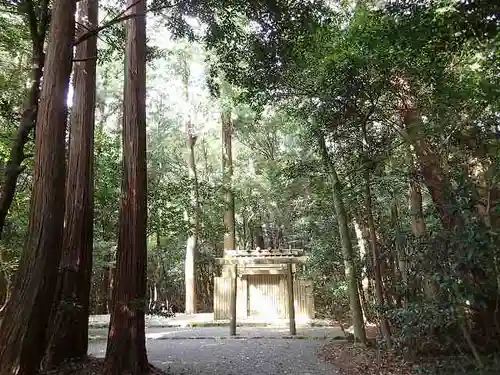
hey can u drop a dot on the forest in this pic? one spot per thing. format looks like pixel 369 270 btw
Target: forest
pixel 139 139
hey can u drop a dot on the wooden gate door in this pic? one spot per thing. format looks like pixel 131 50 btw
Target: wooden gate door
pixel 263 296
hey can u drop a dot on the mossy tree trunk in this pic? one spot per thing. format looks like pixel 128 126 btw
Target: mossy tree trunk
pixel 345 238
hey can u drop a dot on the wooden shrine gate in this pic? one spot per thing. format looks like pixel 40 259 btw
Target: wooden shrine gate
pixel 262 283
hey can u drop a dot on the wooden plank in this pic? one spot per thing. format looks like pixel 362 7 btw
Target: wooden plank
pixel 242 298
pixel 304 300
pixel 291 301
pixel 267 252
pixel 299 297
pixel 234 291
pixel 222 295
pixel 263 272
pixel 283 296
pixel 303 296
pixel 310 300
pixel 261 260
pixel 262 266
pixel 216 298
pixel 264 296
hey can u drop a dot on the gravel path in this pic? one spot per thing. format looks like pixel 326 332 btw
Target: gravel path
pixel 262 356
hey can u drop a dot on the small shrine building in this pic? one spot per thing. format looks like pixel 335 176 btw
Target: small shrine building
pixel 257 284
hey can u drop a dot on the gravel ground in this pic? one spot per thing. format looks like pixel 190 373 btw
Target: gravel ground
pixel 263 356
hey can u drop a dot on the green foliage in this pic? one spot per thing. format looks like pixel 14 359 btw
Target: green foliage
pixel 355 74
pixel 14 74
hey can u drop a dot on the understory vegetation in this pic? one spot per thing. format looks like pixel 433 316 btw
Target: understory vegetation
pixel 365 132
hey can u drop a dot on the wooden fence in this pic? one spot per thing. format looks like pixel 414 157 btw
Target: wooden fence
pixel 263 296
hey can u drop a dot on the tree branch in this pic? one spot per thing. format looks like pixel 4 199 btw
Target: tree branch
pixel 122 16
pixel 98 36
pixel 97 30
pixel 85 59
pixel 116 20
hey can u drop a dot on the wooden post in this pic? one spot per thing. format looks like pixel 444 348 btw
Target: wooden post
pixel 291 298
pixel 234 290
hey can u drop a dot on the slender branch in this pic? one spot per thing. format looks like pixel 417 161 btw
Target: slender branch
pixel 108 41
pixel 119 18
pixel 97 30
pixel 85 59
pixel 122 16
pixel 123 12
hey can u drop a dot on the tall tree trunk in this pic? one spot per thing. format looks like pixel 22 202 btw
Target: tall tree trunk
pixel 402 267
pixel 259 237
pixel 243 238
pixel 227 170
pixel 192 242
pixel 69 322
pixel 103 292
pixel 23 328
pixel 432 171
pixel 126 349
pixel 345 238
pixel 5 290
pixel 418 226
pixel 379 292
pixel 191 299
pixel 416 210
pixel 13 168
pixel 363 280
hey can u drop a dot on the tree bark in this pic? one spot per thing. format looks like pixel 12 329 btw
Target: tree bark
pixel 417 215
pixel 258 237
pixel 191 300
pixel 68 332
pixel 192 242
pixel 103 292
pixel 363 279
pixel 418 226
pixel 379 292
pixel 432 172
pixel 402 267
pixel 227 170
pixel 23 328
pixel 345 238
pixel 13 168
pixel 126 349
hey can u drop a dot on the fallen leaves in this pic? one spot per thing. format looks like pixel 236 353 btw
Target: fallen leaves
pixel 354 359
pixel 89 366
